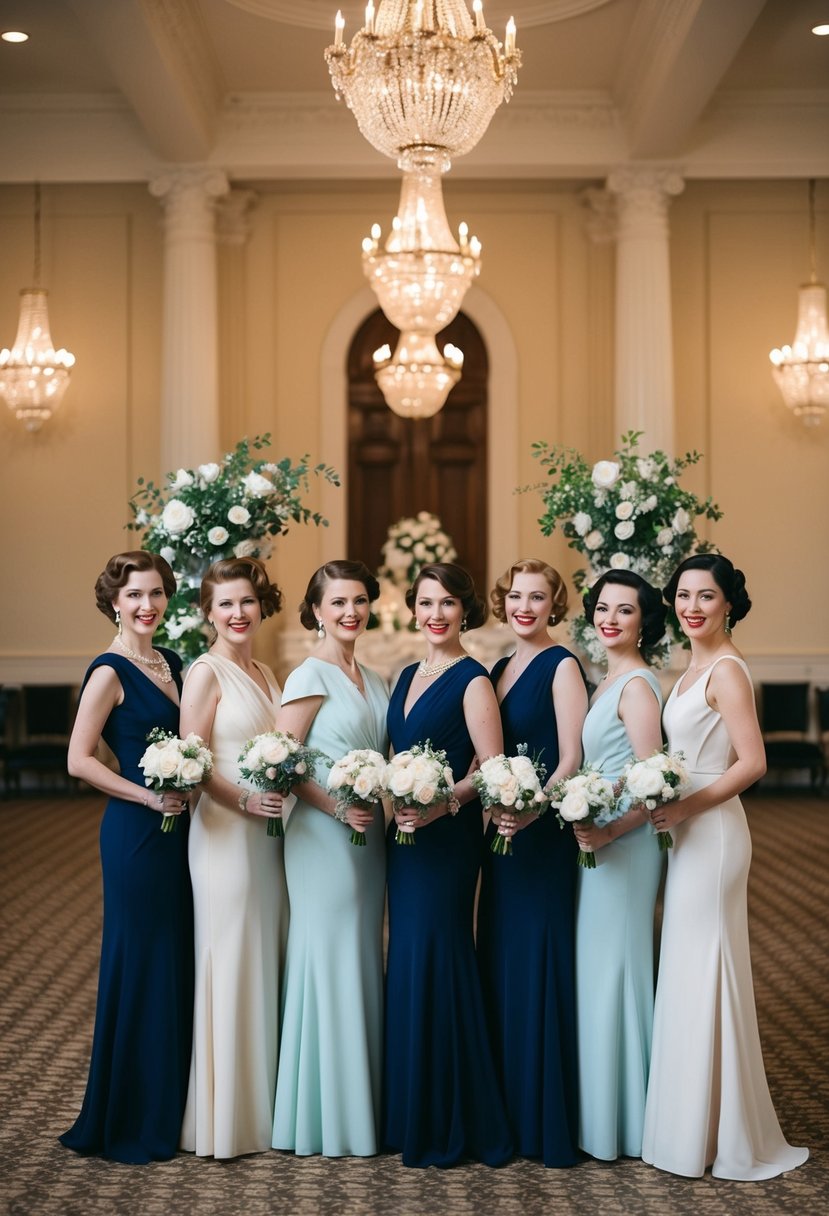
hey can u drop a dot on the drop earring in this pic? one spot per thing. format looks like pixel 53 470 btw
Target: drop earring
pixel 417 626
pixel 728 623
pixel 463 625
pixel 118 621
pixel 639 642
pixel 320 629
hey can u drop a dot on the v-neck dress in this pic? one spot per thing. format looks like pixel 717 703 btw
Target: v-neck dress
pixel 141 1048
pixel 526 941
pixel 442 1099
pixel 329 1083
pixel 615 954
pixel 241 914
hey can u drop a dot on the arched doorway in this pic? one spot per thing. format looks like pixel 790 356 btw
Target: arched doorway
pixel 398 467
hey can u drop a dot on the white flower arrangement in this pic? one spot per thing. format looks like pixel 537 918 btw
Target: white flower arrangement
pixel 357 779
pixel 412 543
pixel 514 782
pixel 277 761
pixel 587 796
pixel 228 509
pixel 656 780
pixel 417 780
pixel 172 763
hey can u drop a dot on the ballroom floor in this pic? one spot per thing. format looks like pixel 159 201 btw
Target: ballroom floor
pixel 50 909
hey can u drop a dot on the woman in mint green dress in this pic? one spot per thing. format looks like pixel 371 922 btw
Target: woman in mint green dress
pixel 328 1088
pixel 615 901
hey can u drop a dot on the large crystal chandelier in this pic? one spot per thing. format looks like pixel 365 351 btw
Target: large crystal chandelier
pixel 33 375
pixel 423 79
pixel 802 369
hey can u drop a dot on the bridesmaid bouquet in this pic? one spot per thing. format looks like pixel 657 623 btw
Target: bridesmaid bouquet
pixel 358 780
pixel 171 763
pixel 417 780
pixel 588 796
pixel 514 782
pixel 660 778
pixel 276 761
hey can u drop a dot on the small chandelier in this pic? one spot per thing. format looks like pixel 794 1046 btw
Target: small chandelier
pixel 802 369
pixel 33 375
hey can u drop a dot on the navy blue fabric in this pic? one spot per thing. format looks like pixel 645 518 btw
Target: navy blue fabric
pixel 138 1074
pixel 526 942
pixel 442 1100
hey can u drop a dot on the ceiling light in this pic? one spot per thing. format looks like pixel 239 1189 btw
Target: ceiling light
pixel 14 36
pixel 820 30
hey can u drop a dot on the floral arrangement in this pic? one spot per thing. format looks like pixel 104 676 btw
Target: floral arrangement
pixel 277 761
pixel 412 544
pixel 233 508
pixel 357 779
pixel 625 514
pixel 660 778
pixel 171 763
pixel 514 782
pixel 587 796
pixel 417 780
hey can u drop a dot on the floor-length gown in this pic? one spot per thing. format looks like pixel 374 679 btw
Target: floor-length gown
pixel 708 1098
pixel 329 1084
pixel 526 941
pixel 137 1084
pixel 441 1096
pixel 240 925
pixel 614 955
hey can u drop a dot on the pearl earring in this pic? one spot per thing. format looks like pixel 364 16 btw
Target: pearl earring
pixel 320 629
pixel 118 621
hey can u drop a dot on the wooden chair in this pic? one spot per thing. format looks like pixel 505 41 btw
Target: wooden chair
pixel 785 725
pixel 47 712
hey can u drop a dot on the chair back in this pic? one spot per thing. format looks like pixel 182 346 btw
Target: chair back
pixel 785 708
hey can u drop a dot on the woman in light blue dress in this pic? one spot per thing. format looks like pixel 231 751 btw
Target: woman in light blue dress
pixel 328 1089
pixel 615 901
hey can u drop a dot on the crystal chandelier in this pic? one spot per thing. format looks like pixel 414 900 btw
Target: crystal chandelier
pixel 802 369
pixel 33 375
pixel 423 79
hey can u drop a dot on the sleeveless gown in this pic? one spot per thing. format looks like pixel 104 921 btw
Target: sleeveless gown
pixel 137 1084
pixel 241 919
pixel 708 1099
pixel 615 956
pixel 526 941
pixel 329 1083
pixel 441 1097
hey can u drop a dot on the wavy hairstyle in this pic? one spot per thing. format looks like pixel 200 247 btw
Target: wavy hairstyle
pixel 648 597
pixel 530 565
pixel 730 580
pixel 457 582
pixel 354 571
pixel 228 569
pixel 116 574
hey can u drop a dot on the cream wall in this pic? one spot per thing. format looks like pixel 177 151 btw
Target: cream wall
pixel 739 251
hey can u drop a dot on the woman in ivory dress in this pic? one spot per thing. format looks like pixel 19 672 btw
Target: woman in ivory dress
pixel 708 1099
pixel 238 877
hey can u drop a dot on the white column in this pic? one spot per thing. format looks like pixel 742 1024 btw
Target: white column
pixel 644 344
pixel 233 227
pixel 190 340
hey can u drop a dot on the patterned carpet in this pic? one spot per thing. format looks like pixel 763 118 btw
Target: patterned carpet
pixel 50 891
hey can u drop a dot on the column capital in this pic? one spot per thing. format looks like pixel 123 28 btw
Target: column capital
pixel 233 216
pixel 599 208
pixel 645 188
pixel 188 195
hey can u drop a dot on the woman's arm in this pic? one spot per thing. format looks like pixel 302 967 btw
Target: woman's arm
pixel 102 693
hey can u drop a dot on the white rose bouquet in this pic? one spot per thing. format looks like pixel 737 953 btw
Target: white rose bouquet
pixel 417 780
pixel 514 782
pixel 411 544
pixel 171 763
pixel 357 779
pixel 586 797
pixel 277 761
pixel 660 778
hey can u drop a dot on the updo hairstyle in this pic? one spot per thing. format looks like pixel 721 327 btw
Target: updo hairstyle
pixel 731 582
pixel 530 565
pixel 354 571
pixel 457 582
pixel 227 570
pixel 649 600
pixel 116 574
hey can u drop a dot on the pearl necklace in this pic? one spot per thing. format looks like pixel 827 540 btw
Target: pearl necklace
pixel 437 669
pixel 164 675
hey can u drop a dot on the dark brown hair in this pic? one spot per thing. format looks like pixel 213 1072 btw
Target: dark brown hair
pixel 116 574
pixel 457 582
pixel 530 565
pixel 355 571
pixel 648 598
pixel 228 569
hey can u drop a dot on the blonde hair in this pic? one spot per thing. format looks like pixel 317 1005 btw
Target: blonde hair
pixel 530 565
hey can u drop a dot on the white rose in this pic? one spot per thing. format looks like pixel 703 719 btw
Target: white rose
pixel 168 761
pixel 217 536
pixel 149 763
pixel 624 510
pixel 182 479
pixel 625 529
pixel 274 751
pixel 669 481
pixel 300 767
pixel 594 539
pixel 364 784
pixel 644 782
pixel 649 503
pixel 619 561
pixel 245 548
pixel 168 554
pixel 401 783
pixel 574 806
pixel 257 486
pixel 667 793
pixel 664 536
pixel 142 519
pixel 681 521
pixel 645 467
pixel 605 474
pixel 238 515
pixel 177 517
pixel 629 489
pixel 420 550
pixel 425 794
pixel 582 523
pixel 191 771
pixel 209 473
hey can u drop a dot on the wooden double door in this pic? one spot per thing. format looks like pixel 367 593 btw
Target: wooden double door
pixel 398 466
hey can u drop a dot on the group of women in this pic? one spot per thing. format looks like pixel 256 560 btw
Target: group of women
pixel 269 1022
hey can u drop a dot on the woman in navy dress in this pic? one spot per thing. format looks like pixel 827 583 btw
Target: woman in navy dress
pixel 137 1083
pixel 442 1101
pixel 526 915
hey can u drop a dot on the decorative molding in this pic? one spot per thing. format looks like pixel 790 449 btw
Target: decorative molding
pixel 233 224
pixel 318 14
